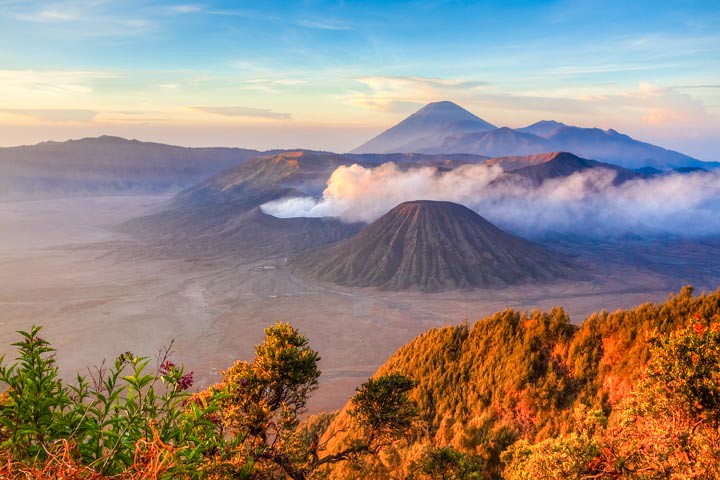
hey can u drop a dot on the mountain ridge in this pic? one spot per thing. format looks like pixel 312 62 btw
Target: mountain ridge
pixel 561 165
pixel 108 164
pixel 608 146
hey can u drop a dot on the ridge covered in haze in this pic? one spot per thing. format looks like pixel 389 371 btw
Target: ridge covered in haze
pixel 108 164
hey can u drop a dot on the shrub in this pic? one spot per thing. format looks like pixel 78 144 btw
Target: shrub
pixel 108 423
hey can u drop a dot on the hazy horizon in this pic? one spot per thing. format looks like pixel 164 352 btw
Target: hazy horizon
pixel 330 76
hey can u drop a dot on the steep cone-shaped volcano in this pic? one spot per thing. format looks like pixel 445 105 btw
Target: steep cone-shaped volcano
pixel 425 129
pixel 431 245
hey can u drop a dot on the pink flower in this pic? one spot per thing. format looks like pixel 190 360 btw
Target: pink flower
pixel 186 381
pixel 166 367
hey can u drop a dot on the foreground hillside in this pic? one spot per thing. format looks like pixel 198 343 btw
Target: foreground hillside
pixel 525 377
pixel 629 394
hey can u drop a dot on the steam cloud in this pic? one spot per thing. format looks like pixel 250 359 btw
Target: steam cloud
pixel 586 202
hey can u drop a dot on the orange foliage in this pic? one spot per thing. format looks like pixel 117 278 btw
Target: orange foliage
pixel 153 459
pixel 616 388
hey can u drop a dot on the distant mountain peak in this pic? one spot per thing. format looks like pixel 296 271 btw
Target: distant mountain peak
pixel 445 128
pixel 430 125
pixel 443 103
pixel 446 108
pixel 543 128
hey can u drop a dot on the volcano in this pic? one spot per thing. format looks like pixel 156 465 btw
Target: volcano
pixel 432 246
pixel 447 128
pixel 425 129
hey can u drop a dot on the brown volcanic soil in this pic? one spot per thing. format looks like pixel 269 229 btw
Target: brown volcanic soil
pixel 432 246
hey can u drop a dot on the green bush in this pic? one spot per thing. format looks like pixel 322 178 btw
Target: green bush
pixel 103 418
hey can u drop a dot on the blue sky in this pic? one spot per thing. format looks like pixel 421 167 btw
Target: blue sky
pixel 332 74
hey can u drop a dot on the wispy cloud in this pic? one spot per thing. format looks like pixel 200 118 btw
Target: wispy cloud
pixel 46 16
pixel 186 8
pixel 322 24
pixel 655 106
pixel 83 18
pixel 402 83
pixel 51 84
pixel 244 112
pixel 572 70
pixel 685 87
pixel 395 94
pixel 53 115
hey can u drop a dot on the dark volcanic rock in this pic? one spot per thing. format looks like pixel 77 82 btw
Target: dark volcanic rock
pixel 431 246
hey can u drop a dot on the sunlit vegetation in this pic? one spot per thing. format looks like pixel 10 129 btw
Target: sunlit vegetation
pixel 628 394
pixel 131 421
pixel 519 390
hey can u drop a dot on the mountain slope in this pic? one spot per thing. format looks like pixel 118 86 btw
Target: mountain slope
pixel 522 376
pixel 424 129
pixel 543 128
pixel 613 147
pixel 299 170
pixel 495 143
pixel 432 246
pixel 222 215
pixel 256 234
pixel 514 162
pixel 561 165
pixel 404 160
pixel 445 128
pixel 108 164
pixel 606 146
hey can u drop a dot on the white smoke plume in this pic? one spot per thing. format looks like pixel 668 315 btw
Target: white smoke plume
pixel 586 202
